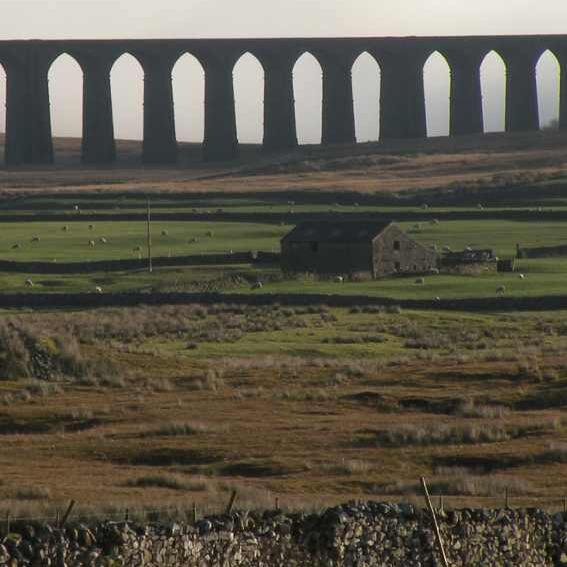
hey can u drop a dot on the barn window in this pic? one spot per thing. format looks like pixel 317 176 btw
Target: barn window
pixel 314 247
pixel 396 244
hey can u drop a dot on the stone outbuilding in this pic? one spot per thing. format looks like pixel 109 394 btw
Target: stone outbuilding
pixel 356 249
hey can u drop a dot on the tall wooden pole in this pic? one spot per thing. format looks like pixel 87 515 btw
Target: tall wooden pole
pixel 436 529
pixel 149 236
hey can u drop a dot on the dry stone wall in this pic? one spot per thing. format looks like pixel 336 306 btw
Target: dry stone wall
pixel 362 535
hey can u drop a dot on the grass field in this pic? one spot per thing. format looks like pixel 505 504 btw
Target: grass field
pixel 313 405
pixel 70 243
pixel 165 406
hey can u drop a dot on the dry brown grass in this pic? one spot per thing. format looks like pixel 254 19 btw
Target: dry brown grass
pixel 473 161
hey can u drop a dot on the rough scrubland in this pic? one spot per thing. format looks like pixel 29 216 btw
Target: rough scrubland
pixel 163 406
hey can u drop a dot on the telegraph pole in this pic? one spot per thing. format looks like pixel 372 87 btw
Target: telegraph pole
pixel 149 235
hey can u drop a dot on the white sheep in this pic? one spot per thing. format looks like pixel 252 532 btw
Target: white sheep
pixel 339 279
pixel 501 290
pixel 419 281
pixel 103 240
pixel 98 289
pixel 435 221
pixel 434 271
pixel 480 207
pixel 65 228
pixel 92 243
pixel 446 249
pixel 522 276
pixel 29 283
pixel 437 298
pixel 258 285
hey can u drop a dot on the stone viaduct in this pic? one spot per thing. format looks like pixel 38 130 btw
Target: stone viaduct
pixel 401 60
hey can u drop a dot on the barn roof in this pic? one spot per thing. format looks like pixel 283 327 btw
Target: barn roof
pixel 333 231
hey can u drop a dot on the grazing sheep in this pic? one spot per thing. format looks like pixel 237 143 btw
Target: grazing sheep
pixel 29 283
pixel 164 232
pixel 522 276
pixel 468 249
pixel 16 246
pixel 339 279
pixel 434 271
pixel 98 289
pixel 425 206
pixel 231 251
pixel 65 228
pixel 446 249
pixel 501 290
pixel 480 207
pixel 103 240
pixel 193 240
pixel 258 285
pixel 92 243
pixel 419 281
pixel 434 221
pixel 437 298
pixel 91 226
pixel 35 239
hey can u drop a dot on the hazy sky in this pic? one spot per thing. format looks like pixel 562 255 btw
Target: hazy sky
pixel 49 19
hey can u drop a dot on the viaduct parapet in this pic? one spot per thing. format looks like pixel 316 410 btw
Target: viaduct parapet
pixel 401 60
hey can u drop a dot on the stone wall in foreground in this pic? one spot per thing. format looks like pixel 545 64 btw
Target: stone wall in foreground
pixel 360 535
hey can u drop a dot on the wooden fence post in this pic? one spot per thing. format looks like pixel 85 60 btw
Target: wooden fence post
pixel 231 503
pixel 435 524
pixel 67 513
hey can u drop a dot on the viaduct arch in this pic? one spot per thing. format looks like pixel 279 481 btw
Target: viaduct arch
pixel 402 96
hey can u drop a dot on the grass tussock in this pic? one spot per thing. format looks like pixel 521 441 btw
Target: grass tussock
pixel 182 428
pixel 467 434
pixel 170 481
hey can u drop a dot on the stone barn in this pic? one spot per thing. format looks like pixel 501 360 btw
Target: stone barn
pixel 356 249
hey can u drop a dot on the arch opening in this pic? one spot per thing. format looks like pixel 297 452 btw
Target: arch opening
pixel 437 85
pixel 127 85
pixel 308 90
pixel 3 99
pixel 366 84
pixel 188 83
pixel 248 79
pixel 548 75
pixel 493 84
pixel 65 78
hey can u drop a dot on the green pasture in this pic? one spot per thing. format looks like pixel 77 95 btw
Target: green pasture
pixel 126 240
pixel 499 235
pixel 70 242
